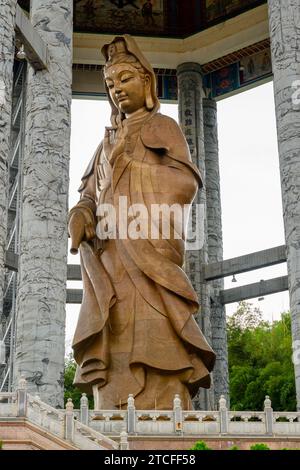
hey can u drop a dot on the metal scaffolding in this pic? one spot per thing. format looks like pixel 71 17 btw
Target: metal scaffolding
pixel 7 321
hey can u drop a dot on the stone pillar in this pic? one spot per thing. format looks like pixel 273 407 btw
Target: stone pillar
pixel 7 51
pixel 41 299
pixel 190 94
pixel 215 248
pixel 284 21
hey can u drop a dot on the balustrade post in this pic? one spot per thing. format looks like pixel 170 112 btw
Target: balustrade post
pixel 223 415
pixel 130 415
pixel 124 445
pixel 22 397
pixel 268 415
pixel 84 409
pixel 69 420
pixel 177 414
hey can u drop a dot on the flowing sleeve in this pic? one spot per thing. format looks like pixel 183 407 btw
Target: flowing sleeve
pixel 162 133
pixel 87 202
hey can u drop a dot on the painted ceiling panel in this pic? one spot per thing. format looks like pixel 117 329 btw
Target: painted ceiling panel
pixel 171 18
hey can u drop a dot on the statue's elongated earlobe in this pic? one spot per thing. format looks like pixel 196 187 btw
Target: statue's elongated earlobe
pixel 149 99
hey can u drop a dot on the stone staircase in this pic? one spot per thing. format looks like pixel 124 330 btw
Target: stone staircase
pixel 62 425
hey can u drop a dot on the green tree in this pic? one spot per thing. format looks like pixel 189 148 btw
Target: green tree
pixel 70 390
pixel 260 360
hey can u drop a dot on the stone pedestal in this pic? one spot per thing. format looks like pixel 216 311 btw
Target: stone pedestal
pixel 41 296
pixel 284 19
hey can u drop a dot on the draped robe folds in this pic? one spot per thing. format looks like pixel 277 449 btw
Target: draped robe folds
pixel 136 332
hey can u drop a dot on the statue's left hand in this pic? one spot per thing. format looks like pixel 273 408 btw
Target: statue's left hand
pixel 81 226
pixel 76 230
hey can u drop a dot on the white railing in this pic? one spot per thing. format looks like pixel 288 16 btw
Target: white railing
pixel 45 416
pixel 179 422
pixel 108 422
pixel 89 429
pixel 87 438
pixel 247 422
pixel 8 404
pixel 201 422
pixel 60 423
pixel 286 424
pixel 154 422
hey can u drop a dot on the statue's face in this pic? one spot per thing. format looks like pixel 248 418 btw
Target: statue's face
pixel 126 87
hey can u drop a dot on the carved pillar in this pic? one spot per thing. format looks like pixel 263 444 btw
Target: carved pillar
pixel 284 21
pixel 215 247
pixel 190 95
pixel 43 255
pixel 7 49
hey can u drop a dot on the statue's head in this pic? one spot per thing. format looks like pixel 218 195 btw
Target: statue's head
pixel 129 78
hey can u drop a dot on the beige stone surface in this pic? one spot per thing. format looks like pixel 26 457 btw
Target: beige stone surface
pixel 215 443
pixel 21 435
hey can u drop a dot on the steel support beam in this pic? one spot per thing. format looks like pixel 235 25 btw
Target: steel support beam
pixel 74 272
pixel 245 263
pixel 258 289
pixel 74 296
pixel 241 264
pixel 34 46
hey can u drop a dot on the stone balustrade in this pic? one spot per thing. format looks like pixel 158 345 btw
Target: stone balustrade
pixel 45 416
pixel 89 429
pixel 60 423
pixel 8 404
pixel 188 423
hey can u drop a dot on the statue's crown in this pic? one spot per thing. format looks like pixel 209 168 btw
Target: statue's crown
pixel 116 49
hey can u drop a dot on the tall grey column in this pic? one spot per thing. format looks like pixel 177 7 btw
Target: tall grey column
pixel 7 50
pixel 190 95
pixel 215 247
pixel 284 21
pixel 43 258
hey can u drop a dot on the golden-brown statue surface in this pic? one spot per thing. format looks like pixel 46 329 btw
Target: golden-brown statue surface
pixel 136 333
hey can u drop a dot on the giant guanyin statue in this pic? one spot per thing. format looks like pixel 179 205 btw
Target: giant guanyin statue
pixel 136 332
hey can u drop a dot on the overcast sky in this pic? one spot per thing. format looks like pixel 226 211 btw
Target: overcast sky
pixel 250 182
